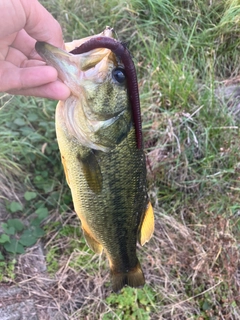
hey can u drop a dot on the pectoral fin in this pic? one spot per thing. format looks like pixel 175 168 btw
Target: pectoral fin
pixel 147 226
pixel 92 243
pixel 65 170
pixel 91 171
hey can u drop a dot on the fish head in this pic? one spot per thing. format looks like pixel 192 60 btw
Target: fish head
pixel 97 113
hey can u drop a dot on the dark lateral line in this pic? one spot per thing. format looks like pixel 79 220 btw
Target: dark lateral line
pixel 132 84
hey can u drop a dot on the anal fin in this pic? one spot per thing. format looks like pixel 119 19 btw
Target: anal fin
pixel 147 225
pixel 92 243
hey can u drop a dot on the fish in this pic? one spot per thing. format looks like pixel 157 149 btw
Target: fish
pixel 100 140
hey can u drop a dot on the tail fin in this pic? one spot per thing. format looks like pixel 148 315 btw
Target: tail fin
pixel 133 278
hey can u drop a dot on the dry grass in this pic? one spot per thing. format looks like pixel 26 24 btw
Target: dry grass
pixel 188 64
pixel 197 262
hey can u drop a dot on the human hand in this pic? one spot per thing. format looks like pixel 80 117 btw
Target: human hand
pixel 22 71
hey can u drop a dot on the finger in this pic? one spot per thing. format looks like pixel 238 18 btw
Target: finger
pixel 18 59
pixel 54 90
pixel 13 77
pixel 41 25
pixel 13 17
pixel 31 16
pixel 24 43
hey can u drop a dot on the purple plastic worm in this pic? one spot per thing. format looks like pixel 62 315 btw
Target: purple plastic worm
pixel 132 84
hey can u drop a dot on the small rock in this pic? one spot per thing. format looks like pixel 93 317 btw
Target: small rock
pixel 19 311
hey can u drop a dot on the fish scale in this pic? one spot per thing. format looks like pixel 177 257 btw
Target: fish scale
pixel 104 166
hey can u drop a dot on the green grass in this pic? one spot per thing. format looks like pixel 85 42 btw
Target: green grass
pixel 183 51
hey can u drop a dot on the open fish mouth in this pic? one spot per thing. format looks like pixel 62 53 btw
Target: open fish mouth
pixel 78 70
pixel 84 73
pixel 88 65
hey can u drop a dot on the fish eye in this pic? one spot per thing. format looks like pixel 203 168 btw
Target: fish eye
pixel 118 75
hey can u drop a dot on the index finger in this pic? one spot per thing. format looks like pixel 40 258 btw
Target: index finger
pixel 30 15
pixel 40 24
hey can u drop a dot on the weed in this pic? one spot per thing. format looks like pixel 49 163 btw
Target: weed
pixel 52 258
pixel 186 54
pixel 7 270
pixel 131 304
pixel 33 143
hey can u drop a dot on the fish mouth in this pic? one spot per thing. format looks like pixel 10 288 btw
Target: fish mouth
pixel 79 70
pixel 84 73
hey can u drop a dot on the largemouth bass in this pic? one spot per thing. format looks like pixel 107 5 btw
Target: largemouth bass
pixel 100 140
